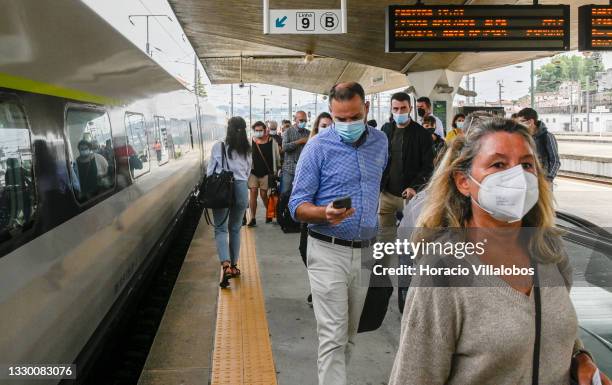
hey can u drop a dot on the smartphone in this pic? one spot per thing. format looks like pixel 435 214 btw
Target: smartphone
pixel 342 203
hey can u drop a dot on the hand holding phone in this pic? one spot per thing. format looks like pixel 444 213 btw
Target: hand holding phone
pixel 342 203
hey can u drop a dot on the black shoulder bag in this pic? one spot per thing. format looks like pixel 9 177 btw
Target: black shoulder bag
pixel 219 188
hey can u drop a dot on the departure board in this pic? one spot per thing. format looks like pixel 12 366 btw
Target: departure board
pixel 595 28
pixel 477 28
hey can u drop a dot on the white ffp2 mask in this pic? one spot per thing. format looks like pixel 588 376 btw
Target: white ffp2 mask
pixel 508 195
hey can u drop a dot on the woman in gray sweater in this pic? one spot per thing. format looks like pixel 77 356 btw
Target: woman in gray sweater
pixel 480 329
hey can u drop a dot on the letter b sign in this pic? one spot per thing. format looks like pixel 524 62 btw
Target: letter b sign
pixel 329 21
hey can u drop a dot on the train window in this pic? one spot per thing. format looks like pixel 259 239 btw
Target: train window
pixel 91 153
pixel 17 189
pixel 160 146
pixel 178 138
pixel 136 153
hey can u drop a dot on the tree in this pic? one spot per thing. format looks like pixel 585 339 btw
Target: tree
pixel 573 68
pixel 199 86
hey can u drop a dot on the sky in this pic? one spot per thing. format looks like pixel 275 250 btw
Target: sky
pixel 172 50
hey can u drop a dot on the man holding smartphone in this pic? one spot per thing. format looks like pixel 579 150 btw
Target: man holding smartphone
pixel 337 182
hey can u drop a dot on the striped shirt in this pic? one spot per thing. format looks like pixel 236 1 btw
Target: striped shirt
pixel 329 169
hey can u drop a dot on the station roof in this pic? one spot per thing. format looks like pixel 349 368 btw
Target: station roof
pixel 222 31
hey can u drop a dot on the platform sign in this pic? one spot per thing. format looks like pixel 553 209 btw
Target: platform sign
pixel 307 21
pixel 595 28
pixel 477 28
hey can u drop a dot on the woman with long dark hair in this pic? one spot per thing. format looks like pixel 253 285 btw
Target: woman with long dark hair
pixel 233 154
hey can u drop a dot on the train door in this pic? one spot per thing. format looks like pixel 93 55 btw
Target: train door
pixel 160 144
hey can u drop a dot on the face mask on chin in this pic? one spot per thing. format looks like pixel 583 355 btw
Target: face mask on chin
pixel 508 195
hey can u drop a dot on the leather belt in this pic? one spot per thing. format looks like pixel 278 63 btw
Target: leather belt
pixel 357 244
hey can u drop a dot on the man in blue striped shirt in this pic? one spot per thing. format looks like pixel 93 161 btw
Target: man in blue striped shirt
pixel 346 160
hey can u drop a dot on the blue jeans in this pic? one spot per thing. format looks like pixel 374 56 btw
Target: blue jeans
pixel 286 182
pixel 231 251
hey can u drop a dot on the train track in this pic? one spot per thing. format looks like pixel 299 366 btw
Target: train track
pixel 126 351
pixel 596 180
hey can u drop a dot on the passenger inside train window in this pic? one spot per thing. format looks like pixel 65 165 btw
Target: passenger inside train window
pixel 481 330
pixel 136 150
pixel 93 171
pixel 17 192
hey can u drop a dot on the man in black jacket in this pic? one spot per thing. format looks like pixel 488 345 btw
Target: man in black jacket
pixel 409 167
pixel 545 142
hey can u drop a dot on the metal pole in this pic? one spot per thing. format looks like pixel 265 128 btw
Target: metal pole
pixel 474 89
pixel 316 100
pixel 148 50
pixel 531 88
pixel 588 107
pixel 232 100
pixel 571 106
pixel 343 10
pixel 250 111
pixel 266 16
pixel 264 110
pixel 378 101
pixel 290 106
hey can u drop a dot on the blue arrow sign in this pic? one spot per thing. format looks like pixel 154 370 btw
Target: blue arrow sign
pixel 280 22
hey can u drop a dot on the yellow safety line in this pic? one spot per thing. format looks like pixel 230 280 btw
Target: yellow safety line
pixel 29 85
pixel 243 353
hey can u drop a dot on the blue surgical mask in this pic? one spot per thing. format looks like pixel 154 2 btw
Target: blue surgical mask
pixel 85 152
pixel 258 134
pixel 401 118
pixel 350 131
pixel 301 125
pixel 459 125
pixel 272 132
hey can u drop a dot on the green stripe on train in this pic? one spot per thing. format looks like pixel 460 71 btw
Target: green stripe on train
pixel 24 84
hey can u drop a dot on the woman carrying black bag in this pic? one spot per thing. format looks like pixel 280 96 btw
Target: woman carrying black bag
pixel 233 155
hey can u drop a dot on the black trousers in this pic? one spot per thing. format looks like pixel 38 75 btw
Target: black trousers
pixel 303 242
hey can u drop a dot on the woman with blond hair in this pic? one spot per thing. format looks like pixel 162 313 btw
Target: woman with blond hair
pixel 494 328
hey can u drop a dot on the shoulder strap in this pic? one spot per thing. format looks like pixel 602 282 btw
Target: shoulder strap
pixel 263 158
pixel 223 156
pixel 538 324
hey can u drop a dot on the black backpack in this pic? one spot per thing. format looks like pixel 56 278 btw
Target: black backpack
pixel 218 190
pixel 283 215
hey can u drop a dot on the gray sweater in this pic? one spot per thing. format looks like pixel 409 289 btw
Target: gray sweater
pixel 485 335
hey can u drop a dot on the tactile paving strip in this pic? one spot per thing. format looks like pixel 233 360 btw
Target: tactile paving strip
pixel 242 353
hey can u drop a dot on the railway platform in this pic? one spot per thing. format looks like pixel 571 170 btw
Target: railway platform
pixel 261 331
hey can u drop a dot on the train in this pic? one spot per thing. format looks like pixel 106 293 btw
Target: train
pixel 100 151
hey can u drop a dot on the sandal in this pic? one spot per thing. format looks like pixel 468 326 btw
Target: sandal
pixel 227 274
pixel 235 271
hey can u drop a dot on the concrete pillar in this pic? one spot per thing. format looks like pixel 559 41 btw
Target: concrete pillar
pixel 425 84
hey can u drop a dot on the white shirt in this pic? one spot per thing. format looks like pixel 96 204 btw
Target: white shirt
pixel 240 165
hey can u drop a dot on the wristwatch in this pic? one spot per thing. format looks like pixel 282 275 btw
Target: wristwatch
pixel 577 352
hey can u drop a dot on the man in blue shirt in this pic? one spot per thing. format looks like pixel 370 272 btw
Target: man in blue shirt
pixel 347 160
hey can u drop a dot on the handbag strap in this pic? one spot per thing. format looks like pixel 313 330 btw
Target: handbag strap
pixel 223 160
pixel 263 158
pixel 538 325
